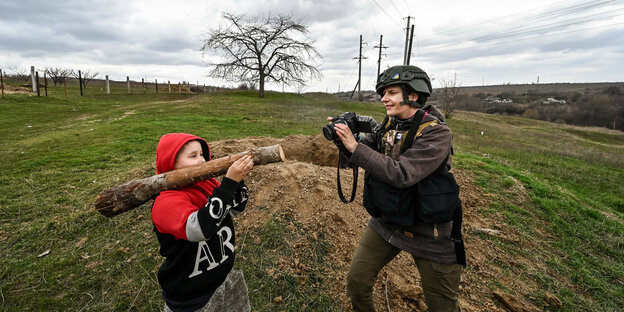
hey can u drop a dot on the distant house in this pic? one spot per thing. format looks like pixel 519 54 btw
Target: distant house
pixel 495 99
pixel 553 101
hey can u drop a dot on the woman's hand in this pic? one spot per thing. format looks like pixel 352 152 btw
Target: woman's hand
pixel 240 168
pixel 346 136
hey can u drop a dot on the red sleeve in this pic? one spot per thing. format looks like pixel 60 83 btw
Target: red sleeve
pixel 170 213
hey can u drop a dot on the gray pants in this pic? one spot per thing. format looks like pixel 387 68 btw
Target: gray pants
pixel 440 282
pixel 232 296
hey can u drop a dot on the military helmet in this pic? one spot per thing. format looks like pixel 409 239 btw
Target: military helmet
pixel 413 77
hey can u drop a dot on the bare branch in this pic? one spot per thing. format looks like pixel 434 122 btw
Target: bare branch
pixel 261 50
pixel 58 74
pixel 87 76
pixel 450 92
pixel 21 74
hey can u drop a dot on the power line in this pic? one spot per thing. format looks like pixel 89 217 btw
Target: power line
pixel 351 74
pixel 388 15
pixel 521 20
pixel 407 5
pixel 399 12
pixel 372 76
pixel 522 39
pixel 520 32
pixel 569 22
pixel 519 28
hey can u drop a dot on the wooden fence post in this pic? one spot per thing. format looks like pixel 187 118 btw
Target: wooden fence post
pixel 45 83
pixel 107 85
pixel 65 83
pixel 169 84
pixel 32 78
pixel 37 83
pixel 2 83
pixel 156 85
pixel 179 88
pixel 128 83
pixel 80 82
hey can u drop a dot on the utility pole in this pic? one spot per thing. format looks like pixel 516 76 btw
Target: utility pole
pixel 537 85
pixel 407 31
pixel 359 58
pixel 381 46
pixel 409 51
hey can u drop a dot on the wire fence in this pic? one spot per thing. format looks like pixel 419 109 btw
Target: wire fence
pixel 89 84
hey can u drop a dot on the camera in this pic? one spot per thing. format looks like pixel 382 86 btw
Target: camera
pixel 354 123
pixel 357 124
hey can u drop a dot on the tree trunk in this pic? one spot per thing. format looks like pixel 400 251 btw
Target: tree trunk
pixel 261 85
pixel 122 198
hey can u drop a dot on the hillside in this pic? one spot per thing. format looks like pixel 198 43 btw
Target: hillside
pixel 588 87
pixel 543 206
pixel 582 104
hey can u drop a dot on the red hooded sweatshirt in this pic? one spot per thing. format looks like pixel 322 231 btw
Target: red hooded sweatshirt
pixel 195 230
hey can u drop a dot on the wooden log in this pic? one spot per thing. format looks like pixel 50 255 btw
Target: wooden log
pixel 130 195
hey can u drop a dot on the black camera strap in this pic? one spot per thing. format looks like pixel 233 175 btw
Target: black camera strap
pixel 355 178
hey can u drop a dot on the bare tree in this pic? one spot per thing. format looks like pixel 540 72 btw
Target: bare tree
pixel 450 92
pixel 21 74
pixel 87 76
pixel 261 49
pixel 58 74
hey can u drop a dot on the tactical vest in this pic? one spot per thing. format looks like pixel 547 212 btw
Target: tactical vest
pixel 434 199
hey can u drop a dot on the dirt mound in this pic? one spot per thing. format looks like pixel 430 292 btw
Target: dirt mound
pixel 9 89
pixel 305 186
pixel 311 149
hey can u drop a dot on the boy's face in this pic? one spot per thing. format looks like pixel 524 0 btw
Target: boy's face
pixel 190 154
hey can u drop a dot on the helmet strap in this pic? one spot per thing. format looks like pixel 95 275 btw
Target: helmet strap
pixel 406 99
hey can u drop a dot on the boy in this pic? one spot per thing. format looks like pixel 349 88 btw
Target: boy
pixel 195 230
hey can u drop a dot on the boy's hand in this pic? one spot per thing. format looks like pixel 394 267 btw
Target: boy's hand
pixel 240 168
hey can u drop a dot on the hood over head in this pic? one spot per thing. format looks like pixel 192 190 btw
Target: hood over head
pixel 169 146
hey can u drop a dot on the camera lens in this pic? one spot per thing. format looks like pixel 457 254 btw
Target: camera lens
pixel 328 131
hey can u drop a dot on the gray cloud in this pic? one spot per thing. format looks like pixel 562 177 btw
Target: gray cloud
pixel 157 37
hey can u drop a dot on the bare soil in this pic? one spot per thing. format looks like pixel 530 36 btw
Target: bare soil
pixel 305 186
pixel 9 89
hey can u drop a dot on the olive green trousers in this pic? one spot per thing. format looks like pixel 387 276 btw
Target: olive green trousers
pixel 440 282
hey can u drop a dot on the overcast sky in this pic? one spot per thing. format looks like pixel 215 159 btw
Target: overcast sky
pixel 481 42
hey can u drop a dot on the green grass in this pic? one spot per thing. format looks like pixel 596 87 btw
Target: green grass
pixel 576 192
pixel 269 277
pixel 57 153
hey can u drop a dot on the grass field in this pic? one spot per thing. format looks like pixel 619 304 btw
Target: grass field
pixel 57 153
